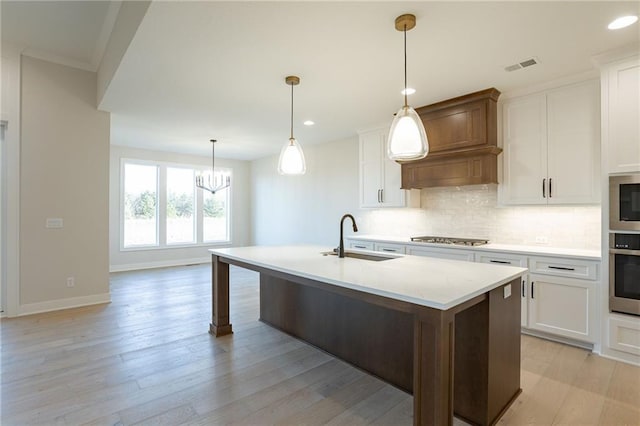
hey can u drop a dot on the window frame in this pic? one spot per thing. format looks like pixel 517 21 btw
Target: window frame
pixel 161 208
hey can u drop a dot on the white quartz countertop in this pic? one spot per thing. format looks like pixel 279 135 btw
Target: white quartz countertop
pixel 510 248
pixel 436 283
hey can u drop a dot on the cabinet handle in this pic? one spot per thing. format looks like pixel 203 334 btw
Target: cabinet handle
pixel 388 249
pixel 524 293
pixel 362 247
pixel 550 188
pixel 532 284
pixel 382 195
pixel 561 268
pixel 379 195
pixel 505 262
pixel 544 184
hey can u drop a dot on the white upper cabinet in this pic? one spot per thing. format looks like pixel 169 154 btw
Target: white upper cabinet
pixel 552 146
pixel 525 150
pixel 621 115
pixel 380 177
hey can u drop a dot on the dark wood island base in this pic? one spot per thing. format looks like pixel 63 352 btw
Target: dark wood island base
pixel 465 360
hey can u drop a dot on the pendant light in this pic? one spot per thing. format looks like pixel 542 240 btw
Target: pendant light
pixel 407 137
pixel 213 183
pixel 291 160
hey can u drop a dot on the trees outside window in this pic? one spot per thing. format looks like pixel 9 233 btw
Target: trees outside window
pixel 140 205
pixel 180 205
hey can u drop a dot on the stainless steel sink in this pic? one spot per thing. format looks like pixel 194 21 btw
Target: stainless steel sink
pixel 363 256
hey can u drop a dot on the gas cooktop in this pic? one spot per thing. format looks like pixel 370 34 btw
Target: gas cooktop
pixel 450 240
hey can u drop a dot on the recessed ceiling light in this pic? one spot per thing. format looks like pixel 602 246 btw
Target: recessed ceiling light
pixel 309 123
pixel 622 22
pixel 409 91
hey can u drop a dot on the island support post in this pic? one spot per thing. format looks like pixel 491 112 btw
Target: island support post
pixel 220 325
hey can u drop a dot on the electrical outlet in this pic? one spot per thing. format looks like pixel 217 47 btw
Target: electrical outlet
pixel 507 291
pixel 542 239
pixel 54 222
pixel 71 282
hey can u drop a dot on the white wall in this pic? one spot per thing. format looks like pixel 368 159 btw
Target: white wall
pixel 307 209
pixel 64 173
pixel 10 114
pixel 146 258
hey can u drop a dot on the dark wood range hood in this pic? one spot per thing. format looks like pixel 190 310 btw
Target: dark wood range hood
pixel 462 134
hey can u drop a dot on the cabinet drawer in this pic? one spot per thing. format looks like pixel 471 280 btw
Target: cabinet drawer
pixel 572 268
pixel 502 259
pixel 362 245
pixel 389 248
pixel 452 254
pixel 624 335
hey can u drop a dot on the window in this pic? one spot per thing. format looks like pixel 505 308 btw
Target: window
pixel 140 205
pixel 162 208
pixel 216 220
pixel 180 205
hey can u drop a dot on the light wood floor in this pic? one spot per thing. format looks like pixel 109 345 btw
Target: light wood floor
pixel 147 358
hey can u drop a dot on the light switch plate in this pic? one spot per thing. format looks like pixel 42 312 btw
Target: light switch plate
pixel 507 291
pixel 54 222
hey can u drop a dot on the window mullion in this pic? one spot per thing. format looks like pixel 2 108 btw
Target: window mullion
pixel 162 205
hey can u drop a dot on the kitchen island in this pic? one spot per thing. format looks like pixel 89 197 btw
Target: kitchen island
pixel 446 331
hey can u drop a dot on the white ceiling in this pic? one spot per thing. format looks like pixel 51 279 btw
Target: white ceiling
pixel 201 70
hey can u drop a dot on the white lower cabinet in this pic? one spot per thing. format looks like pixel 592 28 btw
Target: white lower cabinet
pixel 563 306
pixel 624 334
pixel 452 254
pixel 558 295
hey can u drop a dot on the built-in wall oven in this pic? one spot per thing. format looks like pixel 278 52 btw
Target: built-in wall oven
pixel 624 202
pixel 624 273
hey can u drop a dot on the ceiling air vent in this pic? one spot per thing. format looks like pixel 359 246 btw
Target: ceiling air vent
pixel 524 64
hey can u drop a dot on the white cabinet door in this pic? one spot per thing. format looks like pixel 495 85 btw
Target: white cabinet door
pixel 380 177
pixel 622 80
pixel 524 301
pixel 563 306
pixel 552 147
pixel 573 129
pixel 392 195
pixel 525 150
pixel 371 177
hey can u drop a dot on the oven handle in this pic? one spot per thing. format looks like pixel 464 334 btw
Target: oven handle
pixel 624 251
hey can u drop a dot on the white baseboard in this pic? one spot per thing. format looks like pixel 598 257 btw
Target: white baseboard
pixel 158 264
pixel 59 304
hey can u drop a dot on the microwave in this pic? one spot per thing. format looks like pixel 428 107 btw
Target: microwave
pixel 624 202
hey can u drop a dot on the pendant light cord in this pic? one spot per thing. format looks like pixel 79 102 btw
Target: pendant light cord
pixel 291 137
pixel 213 156
pixel 405 65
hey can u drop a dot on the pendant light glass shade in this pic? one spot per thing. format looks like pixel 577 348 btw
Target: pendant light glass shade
pixel 407 137
pixel 291 160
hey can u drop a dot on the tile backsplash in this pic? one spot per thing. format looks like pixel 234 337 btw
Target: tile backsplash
pixel 473 212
